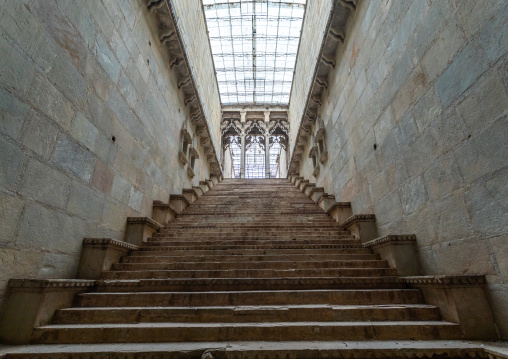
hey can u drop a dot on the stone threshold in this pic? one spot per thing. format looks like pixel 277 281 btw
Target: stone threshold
pixel 248 350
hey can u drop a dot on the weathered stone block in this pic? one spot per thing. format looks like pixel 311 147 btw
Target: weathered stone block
pixel 461 299
pixel 326 201
pixel 32 302
pixel 484 152
pixel 179 202
pixel 45 97
pixel 163 213
pixel 10 210
pixel 45 184
pixel 307 188
pixel 40 135
pixel 99 254
pixel 84 202
pixel 103 177
pixel 464 70
pixel 190 194
pixel 340 211
pixel 84 131
pixel 204 186
pixel 362 226
pixel 399 251
pixel 73 158
pixel 13 114
pixel 316 193
pixel 486 101
pixel 412 195
pixel 198 190
pixel 139 229
pixel 11 159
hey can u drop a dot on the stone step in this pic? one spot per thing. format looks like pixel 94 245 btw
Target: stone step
pixel 285 235
pixel 249 265
pixel 349 249
pixel 218 247
pixel 144 273
pixel 247 298
pixel 242 314
pixel 253 284
pixel 259 349
pixel 249 242
pixel 199 332
pixel 151 257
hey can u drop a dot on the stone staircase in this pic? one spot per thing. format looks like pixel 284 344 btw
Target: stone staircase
pixel 252 269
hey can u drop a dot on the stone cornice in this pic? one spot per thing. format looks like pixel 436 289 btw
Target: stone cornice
pixel 144 220
pixel 51 283
pixel 338 205
pixel 171 39
pixel 179 197
pixel 109 242
pixel 392 238
pixel 166 206
pixel 358 218
pixel 334 36
pixel 445 281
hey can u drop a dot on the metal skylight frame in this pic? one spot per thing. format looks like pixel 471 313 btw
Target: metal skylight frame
pixel 254 46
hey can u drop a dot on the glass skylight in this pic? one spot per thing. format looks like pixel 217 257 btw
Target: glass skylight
pixel 254 45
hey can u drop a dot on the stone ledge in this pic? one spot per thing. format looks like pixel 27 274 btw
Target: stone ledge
pixel 316 189
pixel 445 281
pixel 109 242
pixel 179 197
pixel 358 218
pixel 145 221
pixel 17 283
pixel 335 205
pixel 164 206
pixel 205 183
pixel 392 238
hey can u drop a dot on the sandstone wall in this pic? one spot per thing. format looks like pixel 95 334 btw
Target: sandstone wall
pixel 314 26
pixel 191 21
pixel 417 131
pixel 73 75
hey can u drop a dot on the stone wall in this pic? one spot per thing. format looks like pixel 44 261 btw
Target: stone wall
pixel 417 131
pixel 90 123
pixel 313 29
pixel 191 21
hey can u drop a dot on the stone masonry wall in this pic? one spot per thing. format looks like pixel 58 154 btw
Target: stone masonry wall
pixel 313 29
pixel 73 75
pixel 417 131
pixel 191 20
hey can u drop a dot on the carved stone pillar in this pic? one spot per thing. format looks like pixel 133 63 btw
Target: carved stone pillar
pixel 242 156
pixel 267 155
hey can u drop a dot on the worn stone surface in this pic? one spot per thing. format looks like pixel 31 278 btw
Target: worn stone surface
pixel 436 100
pixel 90 121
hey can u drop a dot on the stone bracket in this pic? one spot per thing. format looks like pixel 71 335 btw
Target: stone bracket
pixel 461 299
pixel 30 303
pixel 99 254
pixel 139 229
pixel 315 193
pixel 204 186
pixel 303 184
pixel 362 226
pixel 163 213
pixel 190 194
pixel 179 202
pixel 307 188
pixel 400 251
pixel 198 190
pixel 340 211
pixel 325 201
